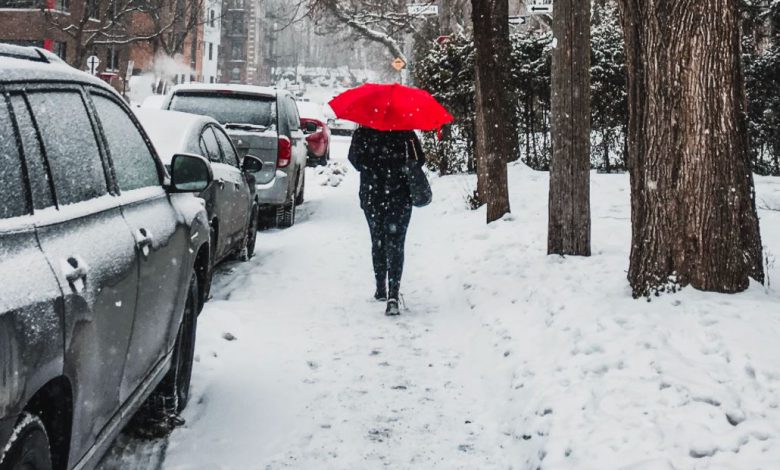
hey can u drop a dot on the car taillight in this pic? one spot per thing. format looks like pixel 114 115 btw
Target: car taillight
pixel 284 153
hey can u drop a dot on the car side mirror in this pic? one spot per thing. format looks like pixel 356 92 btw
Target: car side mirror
pixel 309 127
pixel 251 164
pixel 190 173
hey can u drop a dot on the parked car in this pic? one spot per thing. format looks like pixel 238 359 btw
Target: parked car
pixel 338 126
pixel 317 133
pixel 102 264
pixel 231 199
pixel 263 122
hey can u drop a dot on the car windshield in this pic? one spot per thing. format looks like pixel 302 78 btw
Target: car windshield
pixel 228 108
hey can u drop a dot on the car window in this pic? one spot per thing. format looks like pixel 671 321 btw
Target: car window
pixel 13 197
pixel 40 182
pixel 212 147
pixel 228 151
pixel 134 163
pixel 70 145
pixel 228 107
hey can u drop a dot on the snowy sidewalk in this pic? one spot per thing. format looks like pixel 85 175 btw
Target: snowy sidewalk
pixel 317 376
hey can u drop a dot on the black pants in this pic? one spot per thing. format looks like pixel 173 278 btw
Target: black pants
pixel 388 224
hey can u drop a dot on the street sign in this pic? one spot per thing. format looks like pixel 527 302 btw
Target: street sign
pixel 92 64
pixel 423 10
pixel 541 9
pixel 398 64
pixel 517 20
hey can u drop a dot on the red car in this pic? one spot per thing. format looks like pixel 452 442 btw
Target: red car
pixel 317 133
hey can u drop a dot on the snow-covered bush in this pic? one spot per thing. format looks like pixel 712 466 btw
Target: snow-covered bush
pixel 447 71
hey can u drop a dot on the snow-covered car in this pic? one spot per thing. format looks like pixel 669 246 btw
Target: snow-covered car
pixel 231 199
pixel 102 262
pixel 338 126
pixel 313 123
pixel 263 122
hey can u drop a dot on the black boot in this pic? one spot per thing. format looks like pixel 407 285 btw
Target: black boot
pixel 392 308
pixel 381 289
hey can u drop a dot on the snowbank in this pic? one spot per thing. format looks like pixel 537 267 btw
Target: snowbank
pixel 596 379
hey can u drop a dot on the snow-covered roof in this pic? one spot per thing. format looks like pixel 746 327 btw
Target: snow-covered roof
pixel 172 132
pixel 248 89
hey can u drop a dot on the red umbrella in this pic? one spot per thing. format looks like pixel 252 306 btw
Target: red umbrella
pixel 391 107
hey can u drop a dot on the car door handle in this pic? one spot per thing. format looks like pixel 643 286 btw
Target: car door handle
pixel 144 240
pixel 221 183
pixel 75 271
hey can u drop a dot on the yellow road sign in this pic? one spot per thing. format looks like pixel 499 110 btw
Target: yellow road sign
pixel 398 64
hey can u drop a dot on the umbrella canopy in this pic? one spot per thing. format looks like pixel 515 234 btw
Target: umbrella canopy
pixel 391 107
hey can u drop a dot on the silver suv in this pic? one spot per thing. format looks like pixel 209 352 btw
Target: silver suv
pixel 263 122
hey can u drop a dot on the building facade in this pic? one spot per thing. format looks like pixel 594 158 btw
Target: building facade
pixel 212 40
pixel 243 34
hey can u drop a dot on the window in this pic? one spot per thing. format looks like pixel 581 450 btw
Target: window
pixel 211 150
pixel 13 197
pixel 133 161
pixel 40 183
pixel 231 158
pixel 211 18
pixel 235 74
pixel 19 4
pixel 112 59
pixel 211 51
pixel 235 107
pixel 61 49
pixel 70 145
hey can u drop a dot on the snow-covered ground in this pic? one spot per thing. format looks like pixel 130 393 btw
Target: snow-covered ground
pixel 504 358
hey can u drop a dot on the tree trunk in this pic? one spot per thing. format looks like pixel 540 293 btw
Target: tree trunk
pixel 495 131
pixel 693 212
pixel 569 209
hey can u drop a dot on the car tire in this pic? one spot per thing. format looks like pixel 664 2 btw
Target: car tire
pixel 30 450
pixel 159 414
pixel 299 195
pixel 285 214
pixel 248 247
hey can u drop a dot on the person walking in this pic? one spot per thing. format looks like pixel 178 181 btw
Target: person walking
pixel 380 157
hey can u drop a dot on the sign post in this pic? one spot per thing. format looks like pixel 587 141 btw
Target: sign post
pixel 92 64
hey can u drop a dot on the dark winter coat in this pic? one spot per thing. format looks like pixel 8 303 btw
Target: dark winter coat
pixel 380 157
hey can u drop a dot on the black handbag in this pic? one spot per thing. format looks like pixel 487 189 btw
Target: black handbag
pixel 419 187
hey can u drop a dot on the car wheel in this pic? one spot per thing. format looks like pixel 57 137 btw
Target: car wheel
pixel 299 195
pixel 248 248
pixel 285 215
pixel 30 450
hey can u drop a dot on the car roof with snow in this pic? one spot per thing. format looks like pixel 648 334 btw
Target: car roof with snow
pixel 172 132
pixel 30 64
pixel 223 87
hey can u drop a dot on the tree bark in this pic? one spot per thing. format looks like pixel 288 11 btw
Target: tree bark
pixel 495 133
pixel 569 208
pixel 693 211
